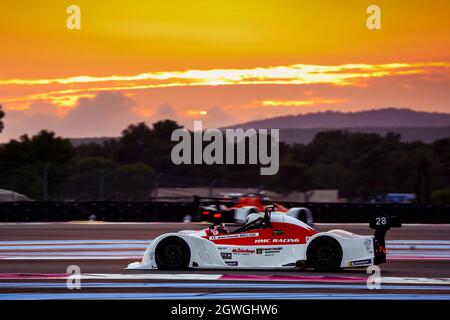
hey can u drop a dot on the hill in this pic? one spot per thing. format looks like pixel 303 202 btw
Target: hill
pixel 381 118
pixel 426 135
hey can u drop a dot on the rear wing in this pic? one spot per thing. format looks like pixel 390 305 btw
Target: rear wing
pixel 382 223
pixel 208 201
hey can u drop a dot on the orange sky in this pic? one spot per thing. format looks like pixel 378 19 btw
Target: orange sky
pixel 221 61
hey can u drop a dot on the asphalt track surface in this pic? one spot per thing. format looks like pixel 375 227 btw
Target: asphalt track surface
pixel 34 258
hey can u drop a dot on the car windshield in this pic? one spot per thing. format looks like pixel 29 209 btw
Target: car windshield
pixel 255 224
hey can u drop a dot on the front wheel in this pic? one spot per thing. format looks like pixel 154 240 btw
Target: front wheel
pixel 172 253
pixel 324 254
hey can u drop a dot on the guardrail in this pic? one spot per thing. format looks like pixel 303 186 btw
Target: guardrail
pixel 96 210
pixel 176 211
pixel 360 212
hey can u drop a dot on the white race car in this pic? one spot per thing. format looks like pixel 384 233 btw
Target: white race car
pixel 274 241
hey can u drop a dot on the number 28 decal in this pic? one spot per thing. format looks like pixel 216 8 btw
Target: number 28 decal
pixel 380 221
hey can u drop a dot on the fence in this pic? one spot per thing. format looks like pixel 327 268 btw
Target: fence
pixel 100 180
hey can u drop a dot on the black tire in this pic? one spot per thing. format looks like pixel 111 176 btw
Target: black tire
pixel 172 253
pixel 324 254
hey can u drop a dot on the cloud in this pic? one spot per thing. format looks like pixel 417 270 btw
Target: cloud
pixel 107 113
pixel 300 103
pixel 41 107
pixel 217 117
pixel 303 73
pixel 66 91
pixel 104 115
pixel 18 123
pixel 166 111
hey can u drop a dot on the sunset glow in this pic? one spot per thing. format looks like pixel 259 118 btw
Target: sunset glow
pixel 343 75
pixel 223 62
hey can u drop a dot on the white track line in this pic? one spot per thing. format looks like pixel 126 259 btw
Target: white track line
pixel 222 277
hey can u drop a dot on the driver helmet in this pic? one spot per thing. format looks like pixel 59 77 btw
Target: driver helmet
pixel 252 217
pixel 265 200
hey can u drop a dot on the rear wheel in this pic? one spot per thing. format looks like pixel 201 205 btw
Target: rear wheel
pixel 324 254
pixel 172 253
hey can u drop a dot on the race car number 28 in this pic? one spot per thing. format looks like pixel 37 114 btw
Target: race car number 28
pixel 380 221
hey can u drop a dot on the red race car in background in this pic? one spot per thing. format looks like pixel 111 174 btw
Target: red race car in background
pixel 220 209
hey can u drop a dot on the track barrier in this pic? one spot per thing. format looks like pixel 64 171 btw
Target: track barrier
pixel 172 211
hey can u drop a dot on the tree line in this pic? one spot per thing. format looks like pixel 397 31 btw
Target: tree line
pixel 361 166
